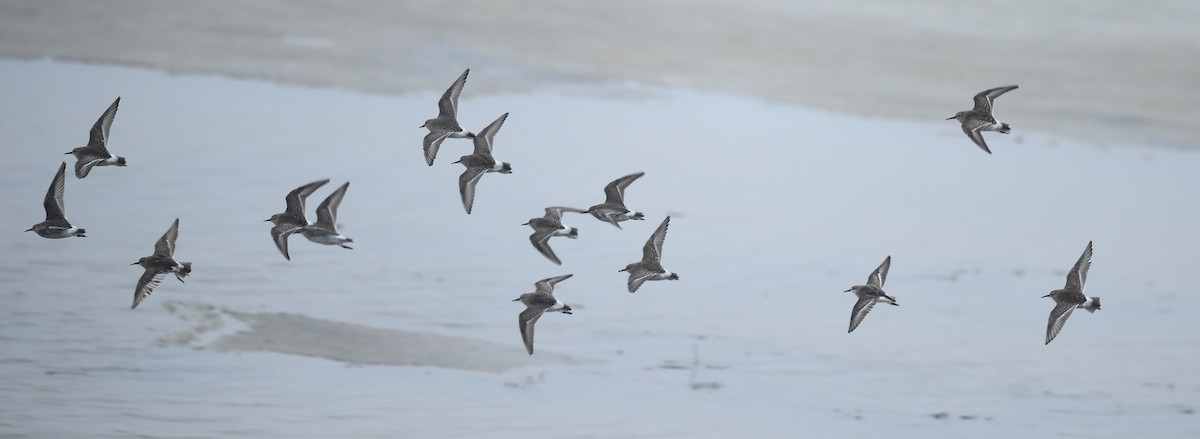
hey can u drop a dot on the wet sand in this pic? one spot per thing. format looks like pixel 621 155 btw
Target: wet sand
pixel 1109 72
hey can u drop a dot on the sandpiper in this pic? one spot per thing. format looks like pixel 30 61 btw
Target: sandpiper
pixel 548 226
pixel 613 209
pixel 292 219
pixel 481 162
pixel 1071 296
pixel 870 293
pixel 980 119
pixel 96 152
pixel 446 123
pixel 160 263
pixel 56 225
pixel 650 267
pixel 540 301
pixel 324 231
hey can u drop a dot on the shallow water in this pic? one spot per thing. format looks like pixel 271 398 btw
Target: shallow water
pixel 775 210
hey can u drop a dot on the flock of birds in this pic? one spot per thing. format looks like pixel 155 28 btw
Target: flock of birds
pixel 480 162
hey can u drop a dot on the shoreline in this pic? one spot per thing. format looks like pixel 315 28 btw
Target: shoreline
pixel 1106 76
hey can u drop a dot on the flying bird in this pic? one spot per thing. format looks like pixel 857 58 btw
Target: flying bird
pixel 446 123
pixel 1071 296
pixel 324 231
pixel 159 264
pixel 539 302
pixel 613 209
pixel 292 219
pixel 96 152
pixel 650 267
pixel 979 119
pixel 56 225
pixel 481 162
pixel 549 226
pixel 870 294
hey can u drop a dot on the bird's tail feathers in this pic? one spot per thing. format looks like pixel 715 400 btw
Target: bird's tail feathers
pixel 185 268
pixel 574 233
pixel 1095 305
pixel 1004 128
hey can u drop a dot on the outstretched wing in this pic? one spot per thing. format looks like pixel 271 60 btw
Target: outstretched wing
pixel 555 212
pixel 614 192
pixel 1058 318
pixel 652 251
pixel 327 211
pixel 280 234
pixel 53 203
pixel 974 129
pixel 636 279
pixel 145 286
pixel 879 276
pixel 1078 275
pixel 526 321
pixel 985 99
pixel 547 285
pixel 859 312
pixel 433 142
pixel 166 245
pixel 448 104
pixel 484 140
pixel 98 137
pixel 466 186
pixel 295 198
pixel 541 242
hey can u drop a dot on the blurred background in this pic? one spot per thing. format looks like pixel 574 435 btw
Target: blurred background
pixel 794 144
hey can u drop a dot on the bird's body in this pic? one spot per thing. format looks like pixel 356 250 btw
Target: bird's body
pixel 1071 296
pixel 539 302
pixel 324 231
pixel 159 264
pixel 981 118
pixel 292 219
pixel 445 125
pixel 613 210
pixel 870 294
pixel 96 152
pixel 650 267
pixel 480 162
pixel 56 225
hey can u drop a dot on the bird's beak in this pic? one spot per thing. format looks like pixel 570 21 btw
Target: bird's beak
pixel 949 118
pixel 135 263
pixel 623 269
pixel 30 229
pixel 267 220
pixel 517 299
pixel 849 290
pixel 1048 295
